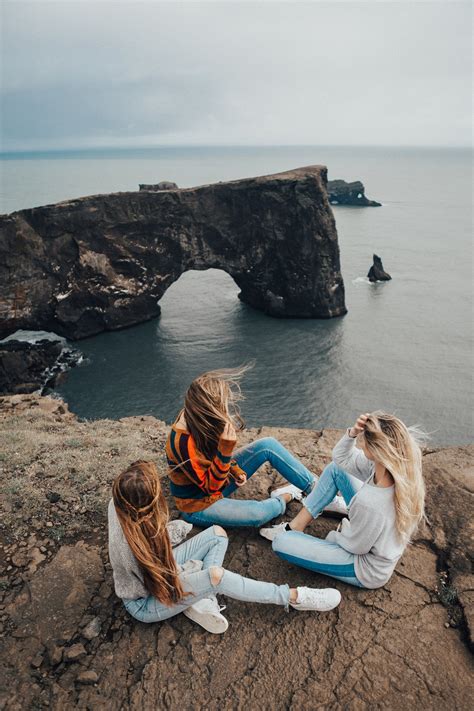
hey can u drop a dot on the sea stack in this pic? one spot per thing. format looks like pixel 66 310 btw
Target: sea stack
pixel 376 271
pixel 342 193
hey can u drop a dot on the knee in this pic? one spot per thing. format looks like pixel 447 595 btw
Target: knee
pixel 219 531
pixel 267 442
pixel 215 574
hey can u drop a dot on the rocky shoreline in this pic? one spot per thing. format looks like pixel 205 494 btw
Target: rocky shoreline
pixel 67 642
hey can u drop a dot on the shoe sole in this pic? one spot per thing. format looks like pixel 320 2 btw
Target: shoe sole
pixel 314 609
pixel 214 625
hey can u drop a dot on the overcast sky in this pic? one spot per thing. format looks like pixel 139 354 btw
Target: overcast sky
pixel 77 73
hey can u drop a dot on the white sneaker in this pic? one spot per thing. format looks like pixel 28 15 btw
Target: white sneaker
pixel 178 530
pixel 288 489
pixel 273 531
pixel 321 599
pixel 337 507
pixel 207 613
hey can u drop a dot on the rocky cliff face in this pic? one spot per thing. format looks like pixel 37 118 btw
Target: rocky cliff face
pixel 67 642
pixel 342 193
pixel 103 262
pixel 30 367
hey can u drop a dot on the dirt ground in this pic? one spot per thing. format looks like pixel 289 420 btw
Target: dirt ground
pixel 67 642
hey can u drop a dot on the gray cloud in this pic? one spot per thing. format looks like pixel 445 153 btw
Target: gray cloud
pixel 78 73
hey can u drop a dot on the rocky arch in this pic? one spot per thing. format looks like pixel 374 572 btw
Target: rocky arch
pixel 102 262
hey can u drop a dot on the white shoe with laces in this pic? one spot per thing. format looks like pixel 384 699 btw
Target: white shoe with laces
pixel 294 492
pixel 272 532
pixel 337 507
pixel 320 599
pixel 207 613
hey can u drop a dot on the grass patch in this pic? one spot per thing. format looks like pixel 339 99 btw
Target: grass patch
pixel 73 443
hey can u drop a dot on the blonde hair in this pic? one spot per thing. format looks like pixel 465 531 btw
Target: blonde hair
pixel 143 514
pixel 397 448
pixel 210 402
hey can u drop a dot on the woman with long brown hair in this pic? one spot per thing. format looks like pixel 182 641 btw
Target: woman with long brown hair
pixel 382 483
pixel 205 470
pixel 156 581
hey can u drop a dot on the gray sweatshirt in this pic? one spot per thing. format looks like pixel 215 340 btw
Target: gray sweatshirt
pixel 128 577
pixel 369 532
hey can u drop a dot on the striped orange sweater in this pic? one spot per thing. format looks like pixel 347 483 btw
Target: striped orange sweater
pixel 197 482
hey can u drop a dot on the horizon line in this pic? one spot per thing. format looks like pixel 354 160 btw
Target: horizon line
pixel 124 149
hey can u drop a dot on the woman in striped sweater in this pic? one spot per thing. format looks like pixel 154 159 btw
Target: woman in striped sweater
pixel 205 470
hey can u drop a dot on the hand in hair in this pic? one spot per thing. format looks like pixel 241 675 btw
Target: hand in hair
pixel 359 425
pixel 229 434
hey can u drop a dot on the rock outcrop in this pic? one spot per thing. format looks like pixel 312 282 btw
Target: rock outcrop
pixel 163 185
pixel 377 272
pixel 28 367
pixel 342 193
pixel 103 262
pixel 67 641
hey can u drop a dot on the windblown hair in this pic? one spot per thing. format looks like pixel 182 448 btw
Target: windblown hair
pixel 397 447
pixel 210 401
pixel 143 514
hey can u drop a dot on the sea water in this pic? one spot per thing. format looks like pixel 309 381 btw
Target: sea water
pixel 404 346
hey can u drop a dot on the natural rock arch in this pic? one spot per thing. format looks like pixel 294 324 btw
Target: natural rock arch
pixel 103 262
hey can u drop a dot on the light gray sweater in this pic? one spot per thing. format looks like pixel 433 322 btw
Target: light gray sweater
pixel 128 577
pixel 369 532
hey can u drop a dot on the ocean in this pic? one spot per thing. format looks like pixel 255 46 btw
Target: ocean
pixel 405 346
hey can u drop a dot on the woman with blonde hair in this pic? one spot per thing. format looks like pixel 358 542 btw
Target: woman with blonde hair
pixel 156 581
pixel 383 487
pixel 205 470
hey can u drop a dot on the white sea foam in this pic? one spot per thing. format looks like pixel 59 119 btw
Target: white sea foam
pixel 33 336
pixel 361 280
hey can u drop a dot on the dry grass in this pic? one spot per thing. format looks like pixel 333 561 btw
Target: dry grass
pixel 42 453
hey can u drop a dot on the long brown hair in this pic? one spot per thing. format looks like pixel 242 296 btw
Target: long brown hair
pixel 210 402
pixel 143 514
pixel 397 447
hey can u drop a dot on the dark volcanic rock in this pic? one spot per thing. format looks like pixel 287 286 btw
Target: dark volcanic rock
pixel 342 193
pixel 103 262
pixel 164 185
pixel 27 367
pixel 376 271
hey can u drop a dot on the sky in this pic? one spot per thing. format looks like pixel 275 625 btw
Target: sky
pixel 81 73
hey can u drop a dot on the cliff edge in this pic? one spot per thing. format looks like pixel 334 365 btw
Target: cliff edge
pixel 67 641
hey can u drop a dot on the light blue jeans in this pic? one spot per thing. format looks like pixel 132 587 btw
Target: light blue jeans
pixel 240 512
pixel 315 553
pixel 210 547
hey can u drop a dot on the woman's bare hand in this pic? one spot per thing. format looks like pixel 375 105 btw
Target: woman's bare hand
pixel 229 433
pixel 359 425
pixel 241 480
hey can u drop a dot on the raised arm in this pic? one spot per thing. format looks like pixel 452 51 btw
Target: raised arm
pixel 182 452
pixel 347 456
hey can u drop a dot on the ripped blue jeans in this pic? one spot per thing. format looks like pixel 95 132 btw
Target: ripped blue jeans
pixel 210 548
pixel 241 512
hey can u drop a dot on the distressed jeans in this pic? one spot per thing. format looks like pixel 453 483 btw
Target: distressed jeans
pixel 210 548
